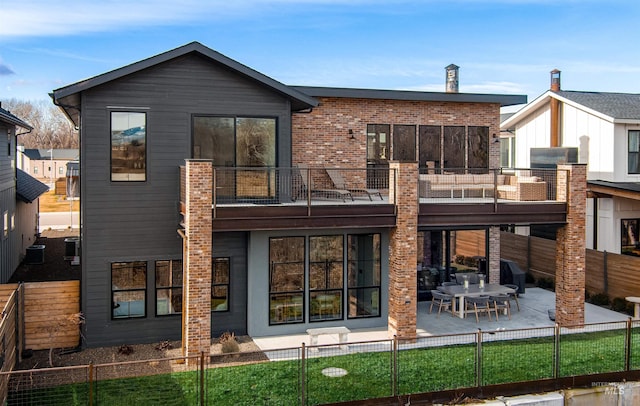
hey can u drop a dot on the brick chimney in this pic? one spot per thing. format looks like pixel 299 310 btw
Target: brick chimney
pixel 452 78
pixel 555 110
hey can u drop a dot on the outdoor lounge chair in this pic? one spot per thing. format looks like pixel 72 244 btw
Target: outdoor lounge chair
pixel 307 186
pixel 338 181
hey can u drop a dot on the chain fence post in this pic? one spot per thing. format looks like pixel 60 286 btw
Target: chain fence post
pixel 627 346
pixel 202 378
pixel 479 358
pixel 303 374
pixel 556 351
pixel 91 384
pixel 394 366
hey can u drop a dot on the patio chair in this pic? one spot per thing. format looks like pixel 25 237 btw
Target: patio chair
pixel 514 295
pixel 500 302
pixel 478 304
pixel 305 179
pixel 443 301
pixel 338 181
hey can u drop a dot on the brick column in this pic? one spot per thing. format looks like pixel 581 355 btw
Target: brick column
pixel 196 309
pixel 570 245
pixel 493 262
pixel 403 246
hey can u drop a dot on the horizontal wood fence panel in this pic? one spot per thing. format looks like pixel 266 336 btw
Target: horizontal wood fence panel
pixel 616 275
pixel 49 311
pixel 470 243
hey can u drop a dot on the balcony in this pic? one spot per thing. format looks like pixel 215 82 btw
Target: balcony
pixel 300 197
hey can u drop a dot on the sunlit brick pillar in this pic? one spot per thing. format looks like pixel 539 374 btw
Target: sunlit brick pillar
pixel 570 246
pixel 403 247
pixel 196 290
pixel 493 265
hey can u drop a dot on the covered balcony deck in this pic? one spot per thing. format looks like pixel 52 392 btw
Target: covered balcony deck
pixel 268 198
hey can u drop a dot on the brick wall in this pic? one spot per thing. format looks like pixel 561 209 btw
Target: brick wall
pixel 494 255
pixel 197 257
pixel 403 247
pixel 321 138
pixel 570 246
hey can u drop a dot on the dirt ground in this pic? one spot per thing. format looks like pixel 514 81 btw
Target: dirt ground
pixel 137 352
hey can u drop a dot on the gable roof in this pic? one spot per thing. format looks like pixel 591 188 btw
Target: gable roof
pixel 502 99
pixel 7 117
pixel 43 153
pixel 614 107
pixel 28 188
pixel 68 97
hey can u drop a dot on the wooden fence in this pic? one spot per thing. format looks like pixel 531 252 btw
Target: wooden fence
pixel 614 274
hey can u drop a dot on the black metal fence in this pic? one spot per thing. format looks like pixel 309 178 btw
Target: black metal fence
pixel 353 371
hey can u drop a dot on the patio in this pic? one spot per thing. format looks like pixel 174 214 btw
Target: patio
pixel 534 305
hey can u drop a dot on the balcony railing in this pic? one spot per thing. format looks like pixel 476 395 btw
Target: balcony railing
pixel 488 185
pixel 301 186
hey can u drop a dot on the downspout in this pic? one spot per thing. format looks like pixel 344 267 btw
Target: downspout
pixel 595 223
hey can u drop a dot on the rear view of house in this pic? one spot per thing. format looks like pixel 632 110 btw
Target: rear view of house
pixel 208 205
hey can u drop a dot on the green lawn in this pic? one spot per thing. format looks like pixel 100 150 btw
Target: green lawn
pixel 368 374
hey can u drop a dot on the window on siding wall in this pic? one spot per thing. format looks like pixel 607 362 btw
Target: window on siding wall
pixel 35 170
pixel 326 277
pixel 128 289
pixel 634 151
pixel 220 284
pixel 286 280
pixel 363 259
pixel 508 152
pixel 13 221
pixel 128 146
pixel 168 287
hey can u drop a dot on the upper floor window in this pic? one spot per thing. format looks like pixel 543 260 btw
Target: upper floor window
pixel 634 152
pixel 5 224
pixel 35 170
pixel 128 146
pixel 507 152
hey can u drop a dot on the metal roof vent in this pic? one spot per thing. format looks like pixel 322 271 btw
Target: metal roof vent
pixel 452 78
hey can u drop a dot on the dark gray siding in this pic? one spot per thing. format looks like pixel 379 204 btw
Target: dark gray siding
pixel 133 221
pixel 9 251
pixel 234 246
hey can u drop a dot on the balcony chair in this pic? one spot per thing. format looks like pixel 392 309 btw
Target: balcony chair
pixel 307 186
pixel 338 181
pixel 500 302
pixel 443 301
pixel 478 304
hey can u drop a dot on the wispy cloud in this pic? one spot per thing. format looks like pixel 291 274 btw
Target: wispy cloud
pixel 5 70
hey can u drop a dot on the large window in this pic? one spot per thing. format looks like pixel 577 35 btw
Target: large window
pixel 220 285
pixel 326 277
pixel 286 280
pixel 128 289
pixel 634 151
pixel 128 146
pixel 168 287
pixel 629 238
pixel 363 259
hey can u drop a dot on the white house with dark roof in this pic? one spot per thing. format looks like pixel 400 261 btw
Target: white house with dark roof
pixel 605 130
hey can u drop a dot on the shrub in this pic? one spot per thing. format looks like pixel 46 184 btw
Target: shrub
pixel 619 304
pixel 228 343
pixel 600 299
pixel 529 278
pixel 545 283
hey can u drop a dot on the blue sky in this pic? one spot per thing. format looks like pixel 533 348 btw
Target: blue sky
pixel 501 46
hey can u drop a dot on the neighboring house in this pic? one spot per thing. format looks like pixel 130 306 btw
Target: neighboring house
pixel 47 165
pixel 597 128
pixel 19 194
pixel 210 207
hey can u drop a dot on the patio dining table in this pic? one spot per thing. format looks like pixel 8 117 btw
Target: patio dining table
pixel 459 293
